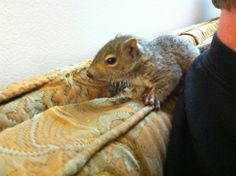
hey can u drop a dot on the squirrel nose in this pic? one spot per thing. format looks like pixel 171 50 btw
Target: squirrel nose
pixel 89 75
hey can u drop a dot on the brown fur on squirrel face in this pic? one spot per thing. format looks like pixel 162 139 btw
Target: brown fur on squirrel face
pixel 114 60
pixel 153 68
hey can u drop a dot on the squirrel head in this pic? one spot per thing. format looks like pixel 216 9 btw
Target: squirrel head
pixel 116 59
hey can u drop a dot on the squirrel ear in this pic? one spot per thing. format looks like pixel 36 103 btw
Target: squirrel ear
pixel 132 42
pixel 131 46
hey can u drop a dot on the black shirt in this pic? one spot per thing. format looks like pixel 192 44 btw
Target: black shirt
pixel 203 138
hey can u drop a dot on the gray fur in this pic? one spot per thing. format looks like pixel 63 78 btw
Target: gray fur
pixel 154 68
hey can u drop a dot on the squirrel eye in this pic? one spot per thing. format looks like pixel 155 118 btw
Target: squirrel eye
pixel 111 60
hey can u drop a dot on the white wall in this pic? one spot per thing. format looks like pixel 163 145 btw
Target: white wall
pixel 40 35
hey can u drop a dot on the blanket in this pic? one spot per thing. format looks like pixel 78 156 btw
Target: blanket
pixel 63 123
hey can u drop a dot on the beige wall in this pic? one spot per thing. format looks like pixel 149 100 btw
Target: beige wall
pixel 39 35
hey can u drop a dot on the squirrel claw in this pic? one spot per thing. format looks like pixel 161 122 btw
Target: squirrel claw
pixel 118 87
pixel 152 100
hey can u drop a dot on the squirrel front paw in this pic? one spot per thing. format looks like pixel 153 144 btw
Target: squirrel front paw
pixel 118 87
pixel 152 100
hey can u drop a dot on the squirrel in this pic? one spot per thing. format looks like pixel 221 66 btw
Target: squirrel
pixel 152 68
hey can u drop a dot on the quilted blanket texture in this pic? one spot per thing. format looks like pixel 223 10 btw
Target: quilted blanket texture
pixel 62 123
pixel 56 141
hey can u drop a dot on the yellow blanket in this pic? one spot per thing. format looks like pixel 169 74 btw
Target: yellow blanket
pixel 63 123
pixel 63 139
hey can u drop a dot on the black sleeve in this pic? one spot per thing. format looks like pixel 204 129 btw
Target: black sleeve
pixel 203 138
